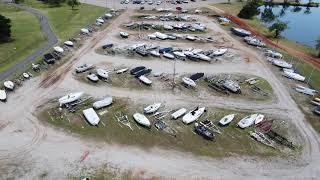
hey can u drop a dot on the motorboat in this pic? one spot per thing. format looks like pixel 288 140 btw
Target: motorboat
pixel 293 75
pixel 102 73
pixel 135 70
pixel 100 20
pixel 240 32
pixel 171 37
pixel 168 55
pixel 190 38
pixel 93 77
pixel 142 51
pixel 167 27
pixel 178 113
pixel 260 137
pixel 69 98
pixel 144 72
pixel 281 63
pixel 145 80
pixel 203 57
pixel 306 90
pixel 103 103
pixel 58 49
pixel 124 34
pixel 259 119
pixel 189 82
pixel 203 131
pixel 84 31
pixel 273 54
pixel 196 76
pixel 227 119
pixel 91 116
pixel 254 41
pixel 69 43
pixel 108 15
pixel 247 121
pixel 193 115
pixel 9 85
pixel 155 53
pixel 315 101
pixel 161 35
pixel 83 68
pixel 142 120
pixel 26 75
pixel 220 52
pixel 123 70
pixel 232 86
pixel 152 108
pixel 152 36
pixel 179 55
pixel 3 95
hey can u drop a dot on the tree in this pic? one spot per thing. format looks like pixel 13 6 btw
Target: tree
pixel 278 27
pixel 5 29
pixel 73 3
pixel 318 45
pixel 18 1
pixel 54 2
pixel 267 15
pixel 250 9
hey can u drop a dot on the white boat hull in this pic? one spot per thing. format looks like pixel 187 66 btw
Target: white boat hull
pixel 141 119
pixel 193 115
pixel 70 98
pixel 227 119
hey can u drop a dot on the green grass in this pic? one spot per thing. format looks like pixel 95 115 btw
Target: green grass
pixel 26 34
pixel 66 22
pixel 232 140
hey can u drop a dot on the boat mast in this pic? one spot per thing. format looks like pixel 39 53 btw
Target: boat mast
pixel 174 74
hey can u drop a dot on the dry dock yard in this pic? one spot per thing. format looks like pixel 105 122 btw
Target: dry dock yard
pixel 178 96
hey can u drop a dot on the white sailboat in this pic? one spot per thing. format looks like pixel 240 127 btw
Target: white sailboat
pixel 93 77
pixel 227 119
pixel 141 119
pixel 193 115
pixel 83 68
pixel 155 53
pixel 26 75
pixel 293 75
pixel 69 98
pixel 259 119
pixel 103 103
pixel 152 108
pixel 145 80
pixel 189 82
pixel 124 34
pixel 9 85
pixel 3 95
pixel 178 113
pixel 68 43
pixel 120 71
pixel 91 116
pixel 168 55
pixel 58 49
pixel 102 73
pixel 220 52
pixel 247 121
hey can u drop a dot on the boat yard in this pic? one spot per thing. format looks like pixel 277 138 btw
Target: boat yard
pixel 242 81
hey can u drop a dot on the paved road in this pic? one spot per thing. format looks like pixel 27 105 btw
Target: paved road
pixel 51 40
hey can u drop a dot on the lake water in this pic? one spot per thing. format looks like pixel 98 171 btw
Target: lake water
pixel 304 25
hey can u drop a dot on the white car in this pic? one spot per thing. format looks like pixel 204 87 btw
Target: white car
pixel 150 2
pixel 142 2
pixel 159 2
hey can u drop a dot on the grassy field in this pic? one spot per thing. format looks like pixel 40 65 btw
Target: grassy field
pixel 65 21
pixel 232 140
pixel 26 34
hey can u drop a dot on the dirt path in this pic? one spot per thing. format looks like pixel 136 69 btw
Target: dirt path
pixel 28 148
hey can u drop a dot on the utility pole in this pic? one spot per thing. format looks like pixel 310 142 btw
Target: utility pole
pixel 174 74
